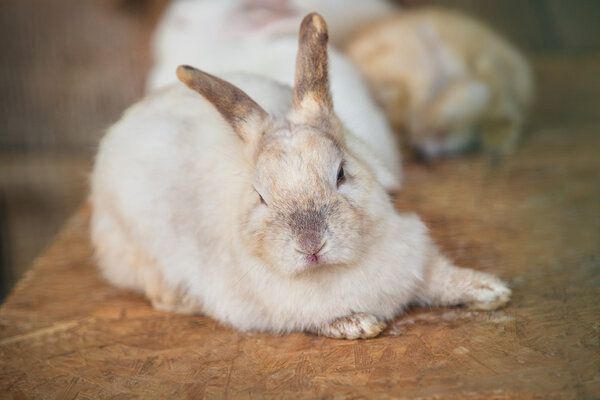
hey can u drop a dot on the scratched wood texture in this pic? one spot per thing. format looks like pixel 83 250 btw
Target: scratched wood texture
pixel 534 220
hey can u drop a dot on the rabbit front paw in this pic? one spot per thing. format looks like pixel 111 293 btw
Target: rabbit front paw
pixel 487 293
pixel 354 326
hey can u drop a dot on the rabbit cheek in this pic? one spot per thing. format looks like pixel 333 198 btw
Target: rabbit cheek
pixel 348 235
pixel 254 234
pixel 266 235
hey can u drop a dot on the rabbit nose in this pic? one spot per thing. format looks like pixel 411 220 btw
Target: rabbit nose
pixel 310 242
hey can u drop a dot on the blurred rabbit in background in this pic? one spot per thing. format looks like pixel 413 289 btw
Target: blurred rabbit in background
pixel 445 80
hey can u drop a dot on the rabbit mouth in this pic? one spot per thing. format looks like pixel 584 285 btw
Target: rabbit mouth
pixel 316 255
pixel 311 259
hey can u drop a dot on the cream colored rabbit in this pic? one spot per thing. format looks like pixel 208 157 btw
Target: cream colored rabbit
pixel 250 202
pixel 445 79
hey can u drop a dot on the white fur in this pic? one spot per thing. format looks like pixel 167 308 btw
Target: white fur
pixel 217 37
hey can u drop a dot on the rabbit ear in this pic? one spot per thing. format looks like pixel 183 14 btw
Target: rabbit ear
pixel 311 82
pixel 239 110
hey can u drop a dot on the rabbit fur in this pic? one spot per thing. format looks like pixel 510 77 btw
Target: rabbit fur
pixel 445 80
pixel 225 36
pixel 252 203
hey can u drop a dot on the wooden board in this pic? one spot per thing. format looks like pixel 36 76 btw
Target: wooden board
pixel 534 220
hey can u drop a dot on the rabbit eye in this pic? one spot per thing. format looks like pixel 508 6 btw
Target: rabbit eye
pixel 341 178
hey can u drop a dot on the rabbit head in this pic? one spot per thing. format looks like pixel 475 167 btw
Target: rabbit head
pixel 314 201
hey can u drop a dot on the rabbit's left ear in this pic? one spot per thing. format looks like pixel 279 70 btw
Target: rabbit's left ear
pixel 311 82
pixel 241 112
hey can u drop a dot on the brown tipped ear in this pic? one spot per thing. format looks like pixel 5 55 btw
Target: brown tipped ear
pixel 238 109
pixel 311 82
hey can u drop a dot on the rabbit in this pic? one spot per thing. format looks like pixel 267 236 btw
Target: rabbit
pixel 249 201
pixel 445 80
pixel 224 37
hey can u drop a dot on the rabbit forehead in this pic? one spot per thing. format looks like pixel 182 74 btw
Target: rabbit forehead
pixel 296 160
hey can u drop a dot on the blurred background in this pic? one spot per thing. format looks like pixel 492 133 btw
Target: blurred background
pixel 68 69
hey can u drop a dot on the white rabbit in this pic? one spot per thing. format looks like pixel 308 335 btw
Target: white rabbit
pixel 258 208
pixel 234 35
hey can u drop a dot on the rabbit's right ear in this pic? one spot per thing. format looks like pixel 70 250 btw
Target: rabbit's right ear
pixel 244 115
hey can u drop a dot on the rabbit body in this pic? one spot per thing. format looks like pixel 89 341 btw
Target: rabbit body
pixel 218 37
pixel 169 185
pixel 445 80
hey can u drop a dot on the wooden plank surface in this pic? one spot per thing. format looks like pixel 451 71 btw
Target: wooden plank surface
pixel 534 220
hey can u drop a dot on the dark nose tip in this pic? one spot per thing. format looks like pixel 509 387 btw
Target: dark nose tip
pixel 310 242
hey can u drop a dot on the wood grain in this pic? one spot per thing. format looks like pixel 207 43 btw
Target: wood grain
pixel 534 219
